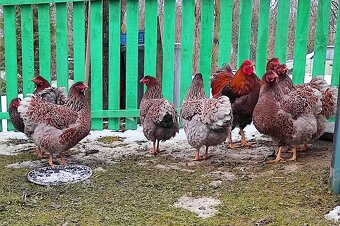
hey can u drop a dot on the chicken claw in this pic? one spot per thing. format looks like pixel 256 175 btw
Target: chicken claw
pixel 293 158
pixel 39 152
pixel 278 156
pixel 197 156
pixel 244 142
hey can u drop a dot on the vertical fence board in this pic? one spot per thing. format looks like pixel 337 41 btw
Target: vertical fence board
pixel 245 28
pixel 300 45
pixel 27 48
pixel 168 49
pixel 206 33
pixel 150 43
pixel 281 36
pixel 336 59
pixel 132 59
pixel 44 29
pixel 187 46
pixel 1 57
pixel 114 61
pixel 79 41
pixel 61 45
pixel 96 30
pixel 11 56
pixel 321 37
pixel 262 37
pixel 226 25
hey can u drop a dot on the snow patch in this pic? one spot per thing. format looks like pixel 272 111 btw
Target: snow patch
pixel 203 207
pixel 333 215
pixel 26 164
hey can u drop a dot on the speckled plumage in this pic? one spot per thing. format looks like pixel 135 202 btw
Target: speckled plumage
pixel 56 128
pixel 206 122
pixel 158 116
pixel 290 119
pixel 14 115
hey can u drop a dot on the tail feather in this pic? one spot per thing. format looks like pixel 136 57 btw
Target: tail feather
pixel 218 81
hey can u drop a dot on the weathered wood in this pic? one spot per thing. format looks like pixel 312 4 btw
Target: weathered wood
pixel 335 165
pixel 336 59
pixel 30 2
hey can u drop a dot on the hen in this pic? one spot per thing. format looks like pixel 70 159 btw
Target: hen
pixel 205 121
pixel 56 128
pixel 158 116
pixel 243 91
pixel 14 115
pixel 43 89
pixel 290 119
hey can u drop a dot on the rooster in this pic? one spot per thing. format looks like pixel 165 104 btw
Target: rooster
pixel 206 121
pixel 158 116
pixel 289 118
pixel 243 91
pixel 56 128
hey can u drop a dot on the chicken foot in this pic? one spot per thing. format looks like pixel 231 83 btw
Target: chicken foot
pixel 244 142
pixel 305 147
pixel 153 150
pixel 278 156
pixel 50 160
pixel 38 151
pixel 231 145
pixel 197 155
pixel 62 159
pixel 293 158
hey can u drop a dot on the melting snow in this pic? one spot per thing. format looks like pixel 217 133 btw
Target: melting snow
pixel 333 215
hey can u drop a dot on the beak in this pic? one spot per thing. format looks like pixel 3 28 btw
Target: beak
pixel 142 80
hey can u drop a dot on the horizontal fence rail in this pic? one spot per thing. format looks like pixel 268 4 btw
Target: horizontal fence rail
pixel 55 48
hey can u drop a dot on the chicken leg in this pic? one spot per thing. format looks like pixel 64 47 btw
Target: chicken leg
pixel 244 141
pixel 62 159
pixel 206 153
pixel 153 150
pixel 293 158
pixel 230 142
pixel 197 156
pixel 50 160
pixel 278 156
pixel 305 147
pixel 157 150
pixel 39 152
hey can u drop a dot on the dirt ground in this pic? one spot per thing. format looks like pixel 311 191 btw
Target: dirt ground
pixel 240 176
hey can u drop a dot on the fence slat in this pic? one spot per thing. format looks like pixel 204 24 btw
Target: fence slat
pixel 281 36
pixel 244 31
pixel 187 46
pixel 11 56
pixel 226 16
pixel 114 61
pixel 336 59
pixel 300 45
pixel 207 17
pixel 79 41
pixel 262 38
pixel 168 49
pixel 321 38
pixel 27 48
pixel 96 29
pixel 30 2
pixel 150 42
pixel 44 29
pixel 61 45
pixel 132 59
pixel 2 55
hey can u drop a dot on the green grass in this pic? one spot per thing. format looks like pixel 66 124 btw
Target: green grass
pixel 128 193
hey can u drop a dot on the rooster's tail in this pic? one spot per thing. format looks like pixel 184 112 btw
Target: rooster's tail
pixel 221 78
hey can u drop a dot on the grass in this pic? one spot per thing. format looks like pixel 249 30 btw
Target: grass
pixel 128 193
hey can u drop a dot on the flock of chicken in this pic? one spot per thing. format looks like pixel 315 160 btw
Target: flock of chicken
pixel 290 114
pixel 55 122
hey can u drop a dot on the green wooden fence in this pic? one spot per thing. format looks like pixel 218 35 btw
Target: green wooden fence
pixel 114 113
